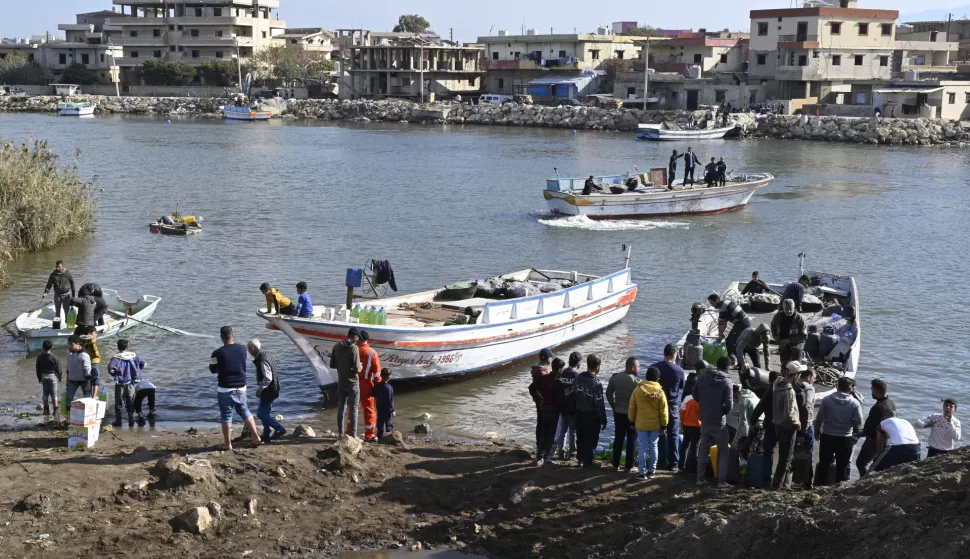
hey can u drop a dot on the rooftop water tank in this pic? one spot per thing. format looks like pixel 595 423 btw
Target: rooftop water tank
pixel 530 31
pixel 694 72
pixel 502 33
pixel 601 31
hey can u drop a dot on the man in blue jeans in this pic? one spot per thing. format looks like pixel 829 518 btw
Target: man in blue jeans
pixel 268 389
pixel 228 363
pixel 672 380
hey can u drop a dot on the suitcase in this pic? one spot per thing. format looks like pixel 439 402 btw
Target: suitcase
pixel 801 464
pixel 755 472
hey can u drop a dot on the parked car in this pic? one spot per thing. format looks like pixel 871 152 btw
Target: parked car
pixel 267 94
pixel 493 99
pixel 523 99
pixel 569 102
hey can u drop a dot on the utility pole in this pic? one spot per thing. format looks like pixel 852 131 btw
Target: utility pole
pixel 646 72
pixel 451 34
pixel 421 62
pixel 949 18
pixel 239 66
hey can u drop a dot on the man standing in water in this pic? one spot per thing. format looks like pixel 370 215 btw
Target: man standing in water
pixel 590 411
pixel 228 363
pixel 345 357
pixel 62 282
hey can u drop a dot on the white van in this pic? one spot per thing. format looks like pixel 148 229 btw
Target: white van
pixel 492 99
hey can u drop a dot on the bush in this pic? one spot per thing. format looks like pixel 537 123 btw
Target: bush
pixel 80 74
pixel 17 70
pixel 41 203
pixel 155 71
pixel 219 73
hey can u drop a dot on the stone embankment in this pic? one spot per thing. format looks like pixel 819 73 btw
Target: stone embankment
pixel 799 127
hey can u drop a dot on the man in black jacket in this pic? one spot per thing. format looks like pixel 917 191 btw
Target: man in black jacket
pixel 690 162
pixel 672 170
pixel 884 408
pixel 590 411
pixel 62 282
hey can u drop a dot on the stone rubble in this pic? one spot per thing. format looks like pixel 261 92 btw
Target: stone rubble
pixel 796 127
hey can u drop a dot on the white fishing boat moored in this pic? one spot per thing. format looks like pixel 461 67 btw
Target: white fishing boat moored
pixel 233 112
pixel 670 131
pixel 68 108
pixel 38 325
pixel 472 327
pixel 565 197
pixel 832 317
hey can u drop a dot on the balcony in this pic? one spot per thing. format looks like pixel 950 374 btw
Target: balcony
pixel 798 41
pixel 211 40
pixel 140 42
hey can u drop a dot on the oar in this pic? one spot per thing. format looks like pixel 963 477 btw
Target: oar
pixel 168 329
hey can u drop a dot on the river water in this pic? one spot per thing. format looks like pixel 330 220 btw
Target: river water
pixel 285 201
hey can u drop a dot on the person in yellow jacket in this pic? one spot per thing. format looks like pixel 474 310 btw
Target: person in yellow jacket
pixel 275 301
pixel 648 412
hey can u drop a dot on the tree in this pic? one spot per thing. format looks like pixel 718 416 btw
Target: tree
pixel 219 73
pixel 612 67
pixel 18 70
pixel 284 65
pixel 412 24
pixel 645 31
pixel 155 71
pixel 80 74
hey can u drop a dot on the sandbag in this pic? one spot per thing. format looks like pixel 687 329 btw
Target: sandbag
pixel 491 288
pixel 811 303
pixel 764 302
pixel 517 289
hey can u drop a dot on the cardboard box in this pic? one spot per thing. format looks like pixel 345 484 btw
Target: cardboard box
pixel 84 412
pixel 86 436
pixel 102 408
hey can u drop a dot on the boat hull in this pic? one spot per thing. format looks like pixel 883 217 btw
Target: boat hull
pixel 656 203
pixel 659 134
pixel 79 111
pixel 442 352
pixel 246 115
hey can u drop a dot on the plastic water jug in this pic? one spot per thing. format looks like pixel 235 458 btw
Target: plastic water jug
pixel 72 317
pixel 103 395
pixel 356 312
pixel 383 315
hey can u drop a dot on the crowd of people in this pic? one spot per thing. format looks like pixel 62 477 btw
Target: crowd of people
pixel 715 172
pixel 670 420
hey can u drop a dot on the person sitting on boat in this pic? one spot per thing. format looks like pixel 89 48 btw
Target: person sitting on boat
pixel 729 312
pixel 756 286
pixel 796 292
pixel 590 186
pixel 721 169
pixel 710 173
pixel 631 184
pixel 788 329
pixel 275 301
pixel 304 307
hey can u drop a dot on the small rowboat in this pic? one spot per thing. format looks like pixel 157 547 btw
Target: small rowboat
pixel 421 340
pixel 672 132
pixel 232 112
pixel 68 108
pixel 35 326
pixel 564 196
pixel 176 225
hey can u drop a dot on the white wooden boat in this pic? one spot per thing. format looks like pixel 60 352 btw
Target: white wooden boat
pixel 232 112
pixel 671 132
pixel 565 197
pixel 68 108
pixel 36 326
pixel 417 344
pixel 834 290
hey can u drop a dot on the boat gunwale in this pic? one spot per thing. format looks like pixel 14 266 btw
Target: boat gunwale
pixel 665 195
pixel 44 333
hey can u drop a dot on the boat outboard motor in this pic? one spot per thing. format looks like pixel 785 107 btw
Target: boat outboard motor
pixel 693 352
pixel 757 378
pixel 696 312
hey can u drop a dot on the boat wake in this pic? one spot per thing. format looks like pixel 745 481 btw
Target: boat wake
pixel 583 222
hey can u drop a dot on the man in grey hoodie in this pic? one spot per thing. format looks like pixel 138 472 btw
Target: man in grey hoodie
pixel 618 392
pixel 786 420
pixel 713 394
pixel 78 369
pixel 839 419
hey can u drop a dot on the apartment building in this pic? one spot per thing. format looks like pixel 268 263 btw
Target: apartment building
pixel 956 30
pixel 315 39
pixel 828 54
pixel 194 31
pixel 712 54
pixel 408 65
pixel 512 61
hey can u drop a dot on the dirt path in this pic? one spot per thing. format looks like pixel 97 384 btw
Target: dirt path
pixel 119 500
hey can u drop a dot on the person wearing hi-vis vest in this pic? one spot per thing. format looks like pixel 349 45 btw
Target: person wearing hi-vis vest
pixel 369 377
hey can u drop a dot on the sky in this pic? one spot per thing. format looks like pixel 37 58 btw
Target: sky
pixel 468 20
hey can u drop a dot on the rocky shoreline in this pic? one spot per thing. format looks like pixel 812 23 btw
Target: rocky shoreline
pixel 888 131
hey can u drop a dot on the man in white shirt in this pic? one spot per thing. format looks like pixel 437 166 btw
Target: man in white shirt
pixel 897 442
pixel 944 429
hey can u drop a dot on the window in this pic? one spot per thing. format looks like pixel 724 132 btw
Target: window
pixel 762 29
pixel 951 98
pixel 198 12
pixel 181 49
pixel 933 36
pixel 967 100
pixel 219 54
pixel 887 29
pixel 132 33
pixel 803 60
pixel 3 55
pixel 172 48
pixel 292 41
pixel 219 33
pixel 619 54
pixel 718 96
pixel 494 56
pixel 62 59
pixel 858 60
pixel 863 29
pixel 102 58
pixel 594 54
pixel 157 54
pixel 836 28
pixel 884 61
pixel 562 54
pixel 836 60
pixel 471 82
pixel 762 58
pixel 501 84
pixel 195 54
pixel 264 34
pixel 724 58
pixel 632 91
pixel 85 59
pixel 171 28
pixel 180 28
pixel 194 33
pixel 134 54
pixel 698 58
pixel 217 12
pixel 673 94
